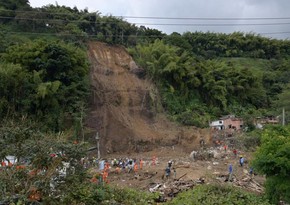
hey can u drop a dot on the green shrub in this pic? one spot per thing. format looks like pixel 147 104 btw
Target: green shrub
pixel 216 194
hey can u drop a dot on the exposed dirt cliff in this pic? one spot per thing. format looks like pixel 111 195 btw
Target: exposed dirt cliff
pixel 124 107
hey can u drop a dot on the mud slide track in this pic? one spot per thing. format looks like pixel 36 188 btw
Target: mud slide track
pixel 123 107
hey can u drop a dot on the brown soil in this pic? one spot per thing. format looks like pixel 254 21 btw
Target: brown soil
pixel 126 110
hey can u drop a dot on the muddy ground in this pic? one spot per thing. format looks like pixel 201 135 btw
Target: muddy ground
pixel 125 110
pixel 188 171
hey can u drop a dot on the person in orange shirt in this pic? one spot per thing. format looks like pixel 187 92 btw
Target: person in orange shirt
pixel 225 147
pixel 135 168
pixel 118 170
pixel 141 164
pixel 20 167
pixel 3 164
pixel 105 176
pixel 107 166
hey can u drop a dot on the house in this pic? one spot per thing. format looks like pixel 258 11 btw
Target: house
pixel 229 122
pixel 261 121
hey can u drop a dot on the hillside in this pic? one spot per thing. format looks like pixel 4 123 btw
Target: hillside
pixel 67 74
pixel 124 107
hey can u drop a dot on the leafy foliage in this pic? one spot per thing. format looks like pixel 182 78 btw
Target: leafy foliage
pixel 273 160
pixel 215 194
pixel 36 169
pixel 43 78
pixel 194 88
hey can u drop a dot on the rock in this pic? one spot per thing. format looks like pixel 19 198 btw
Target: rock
pixel 215 163
pixel 245 171
pixel 193 155
pixel 139 72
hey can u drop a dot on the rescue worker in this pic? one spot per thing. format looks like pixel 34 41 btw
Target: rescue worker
pixel 235 152
pixel 170 164
pixel 141 164
pixel 118 170
pixel 135 168
pixel 202 143
pixel 225 148
pixel 167 172
pixel 105 177
pixel 241 160
pixel 230 172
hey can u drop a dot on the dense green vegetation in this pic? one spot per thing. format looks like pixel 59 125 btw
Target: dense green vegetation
pixel 200 75
pixel 215 194
pixel 195 90
pixel 273 160
pixel 46 79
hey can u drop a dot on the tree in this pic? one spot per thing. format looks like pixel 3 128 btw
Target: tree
pixel 40 155
pixel 15 89
pixel 216 194
pixel 55 75
pixel 14 4
pixel 273 159
pixel 283 102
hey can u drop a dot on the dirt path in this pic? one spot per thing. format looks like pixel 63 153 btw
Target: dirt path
pixel 125 109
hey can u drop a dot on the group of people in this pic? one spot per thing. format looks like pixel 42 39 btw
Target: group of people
pixel 241 163
pixel 124 165
pixel 118 166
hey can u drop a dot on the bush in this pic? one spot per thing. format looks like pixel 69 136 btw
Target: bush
pixel 248 141
pixel 273 159
pixel 216 194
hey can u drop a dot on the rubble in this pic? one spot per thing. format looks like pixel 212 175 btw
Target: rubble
pixel 207 154
pixel 172 188
pixel 246 182
pixel 249 183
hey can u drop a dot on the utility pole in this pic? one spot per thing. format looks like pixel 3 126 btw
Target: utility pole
pixel 283 117
pixel 98 144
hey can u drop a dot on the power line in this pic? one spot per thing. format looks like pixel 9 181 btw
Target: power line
pixel 107 35
pixel 224 24
pixel 159 17
pixel 145 23
pixel 279 32
pixel 206 18
pixel 79 35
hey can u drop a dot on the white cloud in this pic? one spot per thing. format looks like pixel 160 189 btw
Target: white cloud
pixel 190 8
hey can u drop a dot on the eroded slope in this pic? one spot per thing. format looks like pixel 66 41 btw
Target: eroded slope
pixel 124 107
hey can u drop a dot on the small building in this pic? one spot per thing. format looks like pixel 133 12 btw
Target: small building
pixel 261 121
pixel 229 122
pixel 217 125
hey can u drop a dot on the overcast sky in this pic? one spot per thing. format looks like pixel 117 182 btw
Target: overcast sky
pixel 193 9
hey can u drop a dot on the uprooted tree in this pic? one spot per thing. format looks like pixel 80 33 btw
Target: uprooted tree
pixel 273 159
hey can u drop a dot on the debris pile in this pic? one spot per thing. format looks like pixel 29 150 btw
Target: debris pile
pixel 249 183
pixel 246 182
pixel 170 189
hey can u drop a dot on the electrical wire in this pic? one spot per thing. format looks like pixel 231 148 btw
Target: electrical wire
pixel 159 17
pixel 151 24
pixel 104 35
pixel 47 21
